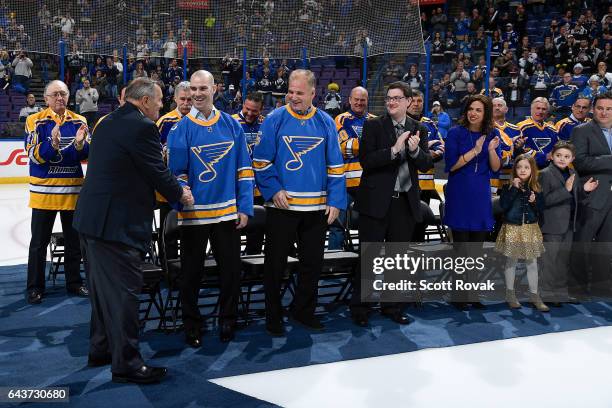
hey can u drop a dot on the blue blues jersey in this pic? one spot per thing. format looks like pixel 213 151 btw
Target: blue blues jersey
pixel 301 155
pixel 211 157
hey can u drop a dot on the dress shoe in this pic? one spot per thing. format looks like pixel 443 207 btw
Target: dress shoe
pixel 193 338
pixel 397 316
pixel 99 361
pixel 144 375
pixel 460 306
pixel 226 332
pixel 275 328
pixel 81 291
pixel 478 305
pixel 34 297
pixel 311 322
pixel 360 319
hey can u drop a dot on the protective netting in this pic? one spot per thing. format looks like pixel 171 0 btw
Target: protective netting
pixel 212 28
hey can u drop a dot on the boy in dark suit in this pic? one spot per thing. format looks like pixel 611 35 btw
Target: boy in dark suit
pixel 558 222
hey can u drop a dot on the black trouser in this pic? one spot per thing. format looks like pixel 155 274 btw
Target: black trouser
pixel 91 117
pixel 465 244
pixel 281 229
pixel 397 226
pixel 255 239
pixel 225 242
pixel 593 256
pixel 42 227
pixel 115 279
pixel 555 266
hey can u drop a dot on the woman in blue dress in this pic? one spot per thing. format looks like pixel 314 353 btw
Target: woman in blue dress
pixel 472 154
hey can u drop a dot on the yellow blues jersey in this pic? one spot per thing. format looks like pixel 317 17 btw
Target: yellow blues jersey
pixel 507 132
pixel 251 132
pixel 349 127
pixel 301 155
pixel 434 141
pixel 211 157
pixel 566 125
pixel 540 139
pixel 56 176
pixel 164 124
pixel 493 92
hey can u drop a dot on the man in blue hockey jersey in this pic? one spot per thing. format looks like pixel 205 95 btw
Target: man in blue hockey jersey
pixel 539 136
pixel 563 96
pixel 250 118
pixel 207 151
pixel 300 173
pixel 580 111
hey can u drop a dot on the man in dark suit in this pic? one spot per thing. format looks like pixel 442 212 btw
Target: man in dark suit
pixel 393 148
pixel 593 142
pixel 113 216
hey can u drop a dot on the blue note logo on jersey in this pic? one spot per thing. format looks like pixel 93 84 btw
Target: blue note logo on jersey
pixel 299 146
pixel 210 155
pixel 252 139
pixel 541 143
pixel 358 130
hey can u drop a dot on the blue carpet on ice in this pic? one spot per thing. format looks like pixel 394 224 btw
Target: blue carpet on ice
pixel 46 345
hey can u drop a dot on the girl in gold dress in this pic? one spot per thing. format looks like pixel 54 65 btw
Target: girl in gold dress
pixel 520 236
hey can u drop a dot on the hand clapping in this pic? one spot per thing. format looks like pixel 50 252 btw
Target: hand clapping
pixel 590 185
pixel 479 143
pixel 532 197
pixel 494 143
pixel 413 142
pixel 55 137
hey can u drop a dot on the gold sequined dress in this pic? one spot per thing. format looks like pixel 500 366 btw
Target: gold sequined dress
pixel 520 241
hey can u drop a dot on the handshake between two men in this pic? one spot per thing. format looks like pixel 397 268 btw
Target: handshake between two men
pixel 187 197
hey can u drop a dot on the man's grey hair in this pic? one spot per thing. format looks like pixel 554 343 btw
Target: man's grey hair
pixel 139 88
pixel 541 99
pixel 182 86
pixel 56 82
pixel 501 100
pixel 306 74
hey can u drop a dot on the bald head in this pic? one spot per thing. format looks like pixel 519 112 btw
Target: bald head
pixel 358 100
pixel 203 74
pixel 56 96
pixel 202 85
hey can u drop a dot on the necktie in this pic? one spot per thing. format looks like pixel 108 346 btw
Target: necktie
pixel 403 181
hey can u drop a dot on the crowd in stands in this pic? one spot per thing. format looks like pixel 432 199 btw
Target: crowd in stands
pixel 157 28
pixel 558 51
pixel 538 48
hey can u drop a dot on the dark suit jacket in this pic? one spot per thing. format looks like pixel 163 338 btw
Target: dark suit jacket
pixel 380 171
pixel 555 218
pixel 593 159
pixel 125 169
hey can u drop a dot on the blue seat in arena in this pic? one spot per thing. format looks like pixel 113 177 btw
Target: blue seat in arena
pixel 521 112
pixel 454 113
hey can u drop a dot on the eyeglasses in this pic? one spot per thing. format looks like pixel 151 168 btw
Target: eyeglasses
pixel 58 94
pixel 394 98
